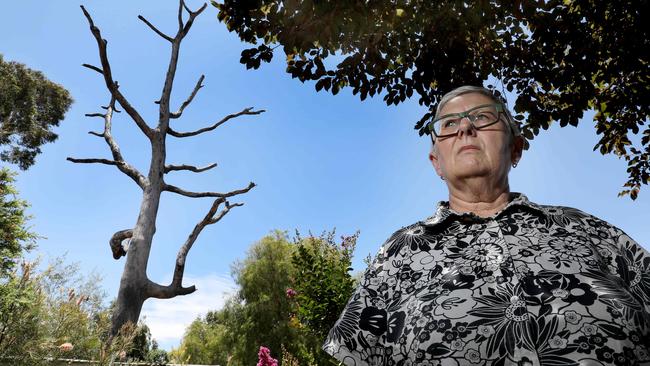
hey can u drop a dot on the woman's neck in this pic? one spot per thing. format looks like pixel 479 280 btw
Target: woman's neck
pixel 483 203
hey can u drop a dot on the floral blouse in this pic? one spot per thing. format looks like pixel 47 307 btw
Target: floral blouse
pixel 531 285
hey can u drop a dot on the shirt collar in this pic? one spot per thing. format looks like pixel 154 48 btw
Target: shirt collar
pixel 443 211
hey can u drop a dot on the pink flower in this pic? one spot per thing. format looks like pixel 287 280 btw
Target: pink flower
pixel 66 347
pixel 265 358
pixel 291 292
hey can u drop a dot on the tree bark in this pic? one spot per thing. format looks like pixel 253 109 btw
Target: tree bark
pixel 133 284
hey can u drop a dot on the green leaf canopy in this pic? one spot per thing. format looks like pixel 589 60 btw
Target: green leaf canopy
pixel 30 106
pixel 560 57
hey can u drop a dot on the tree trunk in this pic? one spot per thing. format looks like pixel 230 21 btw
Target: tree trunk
pixel 133 285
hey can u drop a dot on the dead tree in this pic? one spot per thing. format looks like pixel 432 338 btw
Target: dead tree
pixel 135 286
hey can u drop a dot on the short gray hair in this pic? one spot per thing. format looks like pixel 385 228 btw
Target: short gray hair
pixel 467 89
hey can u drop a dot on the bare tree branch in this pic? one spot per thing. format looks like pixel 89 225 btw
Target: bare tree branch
pixel 210 218
pixel 153 28
pixel 93 161
pixel 167 292
pixel 175 288
pixel 169 168
pixel 189 99
pixel 182 192
pixel 125 168
pixel 116 243
pixel 102 115
pixel 190 20
pixel 223 213
pixel 94 68
pixel 118 159
pixel 246 111
pixel 110 83
pixel 185 7
pixel 114 109
pixel 183 29
pixel 122 166
pixel 180 14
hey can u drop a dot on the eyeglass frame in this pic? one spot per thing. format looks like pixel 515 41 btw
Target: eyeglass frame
pixel 501 109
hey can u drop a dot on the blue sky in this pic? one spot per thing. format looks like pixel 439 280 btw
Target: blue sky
pixel 320 161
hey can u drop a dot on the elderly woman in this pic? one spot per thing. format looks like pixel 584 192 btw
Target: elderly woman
pixel 492 278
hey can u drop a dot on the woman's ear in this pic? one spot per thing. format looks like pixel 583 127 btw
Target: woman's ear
pixel 433 158
pixel 517 149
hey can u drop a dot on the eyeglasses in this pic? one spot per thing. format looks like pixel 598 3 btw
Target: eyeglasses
pixel 479 117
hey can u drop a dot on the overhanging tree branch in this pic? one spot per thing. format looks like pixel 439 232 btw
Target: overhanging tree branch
pixel 108 77
pixel 169 168
pixel 246 111
pixel 182 192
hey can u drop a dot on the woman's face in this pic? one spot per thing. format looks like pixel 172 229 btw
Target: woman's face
pixel 470 153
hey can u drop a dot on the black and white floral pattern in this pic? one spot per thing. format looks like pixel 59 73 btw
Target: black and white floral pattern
pixel 532 285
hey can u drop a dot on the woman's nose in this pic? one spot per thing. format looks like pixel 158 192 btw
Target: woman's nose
pixel 466 127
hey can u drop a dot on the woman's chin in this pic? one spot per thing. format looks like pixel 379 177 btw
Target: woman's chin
pixel 471 169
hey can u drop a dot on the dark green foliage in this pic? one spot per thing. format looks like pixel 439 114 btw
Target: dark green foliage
pixel 323 283
pixel 157 356
pixel 216 338
pixel 14 235
pixel 30 106
pixel 263 278
pixel 290 295
pixel 141 343
pixel 323 286
pixel 561 57
pixel 258 314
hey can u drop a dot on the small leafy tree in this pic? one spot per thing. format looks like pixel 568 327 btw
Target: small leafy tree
pixel 263 277
pixel 141 343
pixel 322 285
pixel 200 344
pixel 157 356
pixel 56 313
pixel 21 301
pixel 322 280
pixel 21 311
pixel 30 106
pixel 291 293
pixel 15 238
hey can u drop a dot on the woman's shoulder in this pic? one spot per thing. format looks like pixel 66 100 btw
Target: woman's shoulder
pixel 559 213
pixel 409 240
